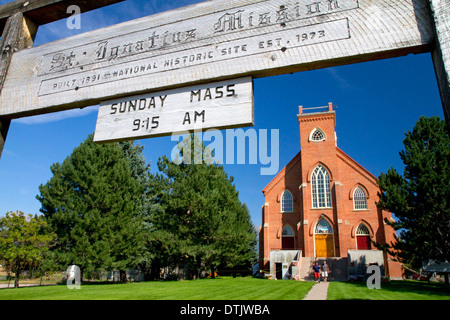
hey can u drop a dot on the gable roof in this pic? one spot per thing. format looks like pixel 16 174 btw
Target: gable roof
pixel 283 172
pixel 356 166
pixel 339 153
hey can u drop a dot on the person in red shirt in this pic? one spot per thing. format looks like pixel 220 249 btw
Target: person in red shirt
pixel 316 270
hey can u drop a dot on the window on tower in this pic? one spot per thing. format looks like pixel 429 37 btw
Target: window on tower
pixel 317 135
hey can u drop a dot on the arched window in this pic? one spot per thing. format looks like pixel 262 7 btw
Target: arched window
pixel 317 135
pixel 359 199
pixel 287 231
pixel 362 230
pixel 363 237
pixel 287 238
pixel 287 202
pixel 323 227
pixel 320 185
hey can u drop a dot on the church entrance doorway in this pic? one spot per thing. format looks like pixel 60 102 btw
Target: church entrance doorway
pixel 287 238
pixel 363 237
pixel 324 239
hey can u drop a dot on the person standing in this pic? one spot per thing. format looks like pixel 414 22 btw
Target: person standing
pixel 316 270
pixel 325 271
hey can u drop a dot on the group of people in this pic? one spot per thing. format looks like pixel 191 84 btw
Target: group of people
pixel 322 270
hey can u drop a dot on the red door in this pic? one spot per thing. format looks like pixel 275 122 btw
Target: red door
pixel 363 242
pixel 287 243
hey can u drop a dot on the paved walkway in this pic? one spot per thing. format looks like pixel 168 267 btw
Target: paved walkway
pixel 318 292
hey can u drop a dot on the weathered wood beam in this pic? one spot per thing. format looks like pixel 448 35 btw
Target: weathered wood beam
pixel 212 41
pixel 18 34
pixel 46 11
pixel 441 52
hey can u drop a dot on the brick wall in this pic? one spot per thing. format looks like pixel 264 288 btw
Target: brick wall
pixel 345 175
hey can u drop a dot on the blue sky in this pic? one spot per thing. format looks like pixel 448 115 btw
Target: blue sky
pixel 377 102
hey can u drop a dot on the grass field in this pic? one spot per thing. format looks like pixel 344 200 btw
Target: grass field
pixel 222 288
pixel 394 290
pixel 227 288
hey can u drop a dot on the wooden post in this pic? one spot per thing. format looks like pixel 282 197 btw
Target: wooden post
pixel 19 33
pixel 441 52
pixel 19 21
pixel 4 126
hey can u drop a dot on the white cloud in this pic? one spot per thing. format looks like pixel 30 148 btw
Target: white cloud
pixel 343 83
pixel 57 116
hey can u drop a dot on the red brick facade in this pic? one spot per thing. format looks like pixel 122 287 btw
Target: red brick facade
pixel 352 218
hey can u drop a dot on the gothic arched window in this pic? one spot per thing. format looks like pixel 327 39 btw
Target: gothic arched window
pixel 287 202
pixel 317 135
pixel 323 227
pixel 359 199
pixel 320 187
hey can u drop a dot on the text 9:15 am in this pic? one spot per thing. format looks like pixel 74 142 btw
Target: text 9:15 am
pixel 146 124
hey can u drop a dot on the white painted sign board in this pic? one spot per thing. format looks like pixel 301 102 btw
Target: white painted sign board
pixel 211 41
pixel 223 104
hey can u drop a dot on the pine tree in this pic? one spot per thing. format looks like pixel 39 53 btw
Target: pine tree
pixel 201 213
pixel 140 170
pixel 93 204
pixel 420 199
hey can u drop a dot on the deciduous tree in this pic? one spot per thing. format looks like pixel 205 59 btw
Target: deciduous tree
pixel 23 242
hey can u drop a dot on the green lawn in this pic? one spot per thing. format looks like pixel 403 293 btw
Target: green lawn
pixel 222 288
pixel 227 288
pixel 394 290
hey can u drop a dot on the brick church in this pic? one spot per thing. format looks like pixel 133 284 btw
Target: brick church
pixel 322 206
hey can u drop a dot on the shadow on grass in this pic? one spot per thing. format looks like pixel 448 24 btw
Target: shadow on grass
pixel 407 289
pixel 418 287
